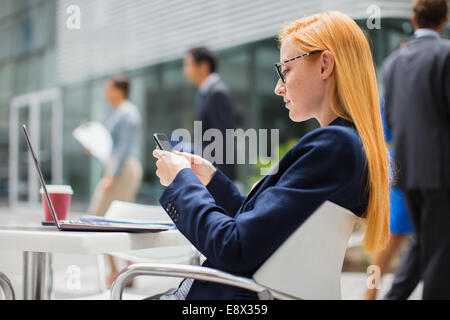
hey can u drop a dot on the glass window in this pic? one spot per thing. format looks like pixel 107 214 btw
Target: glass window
pixel 47 68
pixel 22 33
pixel 177 105
pixel 76 109
pixel 4 154
pixel 234 69
pixel 154 120
pixel 43 24
pixel 169 107
pixel 23 158
pixel 6 82
pixel 27 74
pixel 45 145
pixel 5 35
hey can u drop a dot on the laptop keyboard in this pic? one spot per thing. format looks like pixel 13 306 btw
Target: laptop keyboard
pixel 79 222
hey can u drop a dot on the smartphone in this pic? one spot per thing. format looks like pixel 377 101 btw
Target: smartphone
pixel 162 141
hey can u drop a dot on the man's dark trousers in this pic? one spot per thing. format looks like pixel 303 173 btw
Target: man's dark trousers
pixel 427 257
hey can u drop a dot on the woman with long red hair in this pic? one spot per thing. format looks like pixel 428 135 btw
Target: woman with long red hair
pixel 326 72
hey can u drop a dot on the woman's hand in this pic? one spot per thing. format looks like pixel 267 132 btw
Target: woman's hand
pixel 203 169
pixel 168 165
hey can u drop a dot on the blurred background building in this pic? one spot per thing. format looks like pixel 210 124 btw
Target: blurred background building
pixel 52 76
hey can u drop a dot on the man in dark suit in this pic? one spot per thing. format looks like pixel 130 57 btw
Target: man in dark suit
pixel 417 97
pixel 213 103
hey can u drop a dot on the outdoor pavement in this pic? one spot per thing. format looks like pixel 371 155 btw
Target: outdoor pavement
pixel 77 276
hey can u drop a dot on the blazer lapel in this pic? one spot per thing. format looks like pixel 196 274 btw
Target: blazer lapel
pixel 255 188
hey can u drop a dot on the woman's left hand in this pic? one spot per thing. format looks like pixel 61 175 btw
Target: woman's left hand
pixel 168 165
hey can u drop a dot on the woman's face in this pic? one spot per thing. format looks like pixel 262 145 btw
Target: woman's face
pixel 303 91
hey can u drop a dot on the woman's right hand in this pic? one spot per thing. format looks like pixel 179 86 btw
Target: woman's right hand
pixel 203 169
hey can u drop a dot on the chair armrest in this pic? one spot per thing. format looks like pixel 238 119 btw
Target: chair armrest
pixel 6 287
pixel 184 271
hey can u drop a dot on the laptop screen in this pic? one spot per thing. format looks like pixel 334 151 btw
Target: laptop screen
pixel 41 177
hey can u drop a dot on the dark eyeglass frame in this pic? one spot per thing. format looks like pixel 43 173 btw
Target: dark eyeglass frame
pixel 279 65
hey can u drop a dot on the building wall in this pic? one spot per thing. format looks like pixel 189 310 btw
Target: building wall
pixel 122 35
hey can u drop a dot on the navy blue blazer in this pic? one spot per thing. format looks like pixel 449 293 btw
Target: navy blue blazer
pixel 237 234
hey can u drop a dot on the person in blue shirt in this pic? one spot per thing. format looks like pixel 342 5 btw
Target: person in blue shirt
pixel 326 72
pixel 123 171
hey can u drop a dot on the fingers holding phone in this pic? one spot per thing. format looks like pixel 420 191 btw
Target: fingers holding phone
pixel 168 165
pixel 203 169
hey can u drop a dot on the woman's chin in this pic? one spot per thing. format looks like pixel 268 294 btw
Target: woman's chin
pixel 296 117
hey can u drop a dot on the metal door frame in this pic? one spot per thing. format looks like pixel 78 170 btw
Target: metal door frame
pixel 33 101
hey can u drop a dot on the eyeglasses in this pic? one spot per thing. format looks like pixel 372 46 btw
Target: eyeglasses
pixel 279 65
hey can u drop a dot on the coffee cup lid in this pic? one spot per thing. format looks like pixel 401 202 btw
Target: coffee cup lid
pixel 53 188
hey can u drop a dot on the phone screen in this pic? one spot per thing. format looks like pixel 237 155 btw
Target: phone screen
pixel 162 141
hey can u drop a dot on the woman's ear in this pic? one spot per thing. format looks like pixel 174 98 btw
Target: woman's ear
pixel 326 61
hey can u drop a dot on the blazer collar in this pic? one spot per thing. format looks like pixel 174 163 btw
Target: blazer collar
pixel 341 122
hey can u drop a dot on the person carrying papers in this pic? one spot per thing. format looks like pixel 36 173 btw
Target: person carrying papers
pixel 123 169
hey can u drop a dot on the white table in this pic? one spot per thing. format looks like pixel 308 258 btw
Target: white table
pixel 37 244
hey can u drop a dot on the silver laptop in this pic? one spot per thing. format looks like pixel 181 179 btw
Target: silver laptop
pixel 82 225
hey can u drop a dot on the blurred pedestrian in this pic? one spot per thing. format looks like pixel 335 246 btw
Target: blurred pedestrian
pixel 417 94
pixel 213 104
pixel 123 172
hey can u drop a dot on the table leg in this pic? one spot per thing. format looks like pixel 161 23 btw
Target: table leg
pixel 35 267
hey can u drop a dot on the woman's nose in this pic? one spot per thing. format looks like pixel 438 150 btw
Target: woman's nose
pixel 280 88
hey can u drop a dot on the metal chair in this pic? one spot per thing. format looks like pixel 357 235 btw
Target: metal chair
pixel 129 211
pixel 6 288
pixel 307 265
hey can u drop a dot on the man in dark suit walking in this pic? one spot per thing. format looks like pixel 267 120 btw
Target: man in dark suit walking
pixel 417 96
pixel 213 103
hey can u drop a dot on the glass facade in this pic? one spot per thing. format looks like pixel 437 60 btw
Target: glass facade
pixel 27 64
pixel 160 91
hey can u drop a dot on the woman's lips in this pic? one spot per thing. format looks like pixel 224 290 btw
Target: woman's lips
pixel 286 102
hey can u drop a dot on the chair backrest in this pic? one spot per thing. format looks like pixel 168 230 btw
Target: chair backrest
pixel 130 211
pixel 308 264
